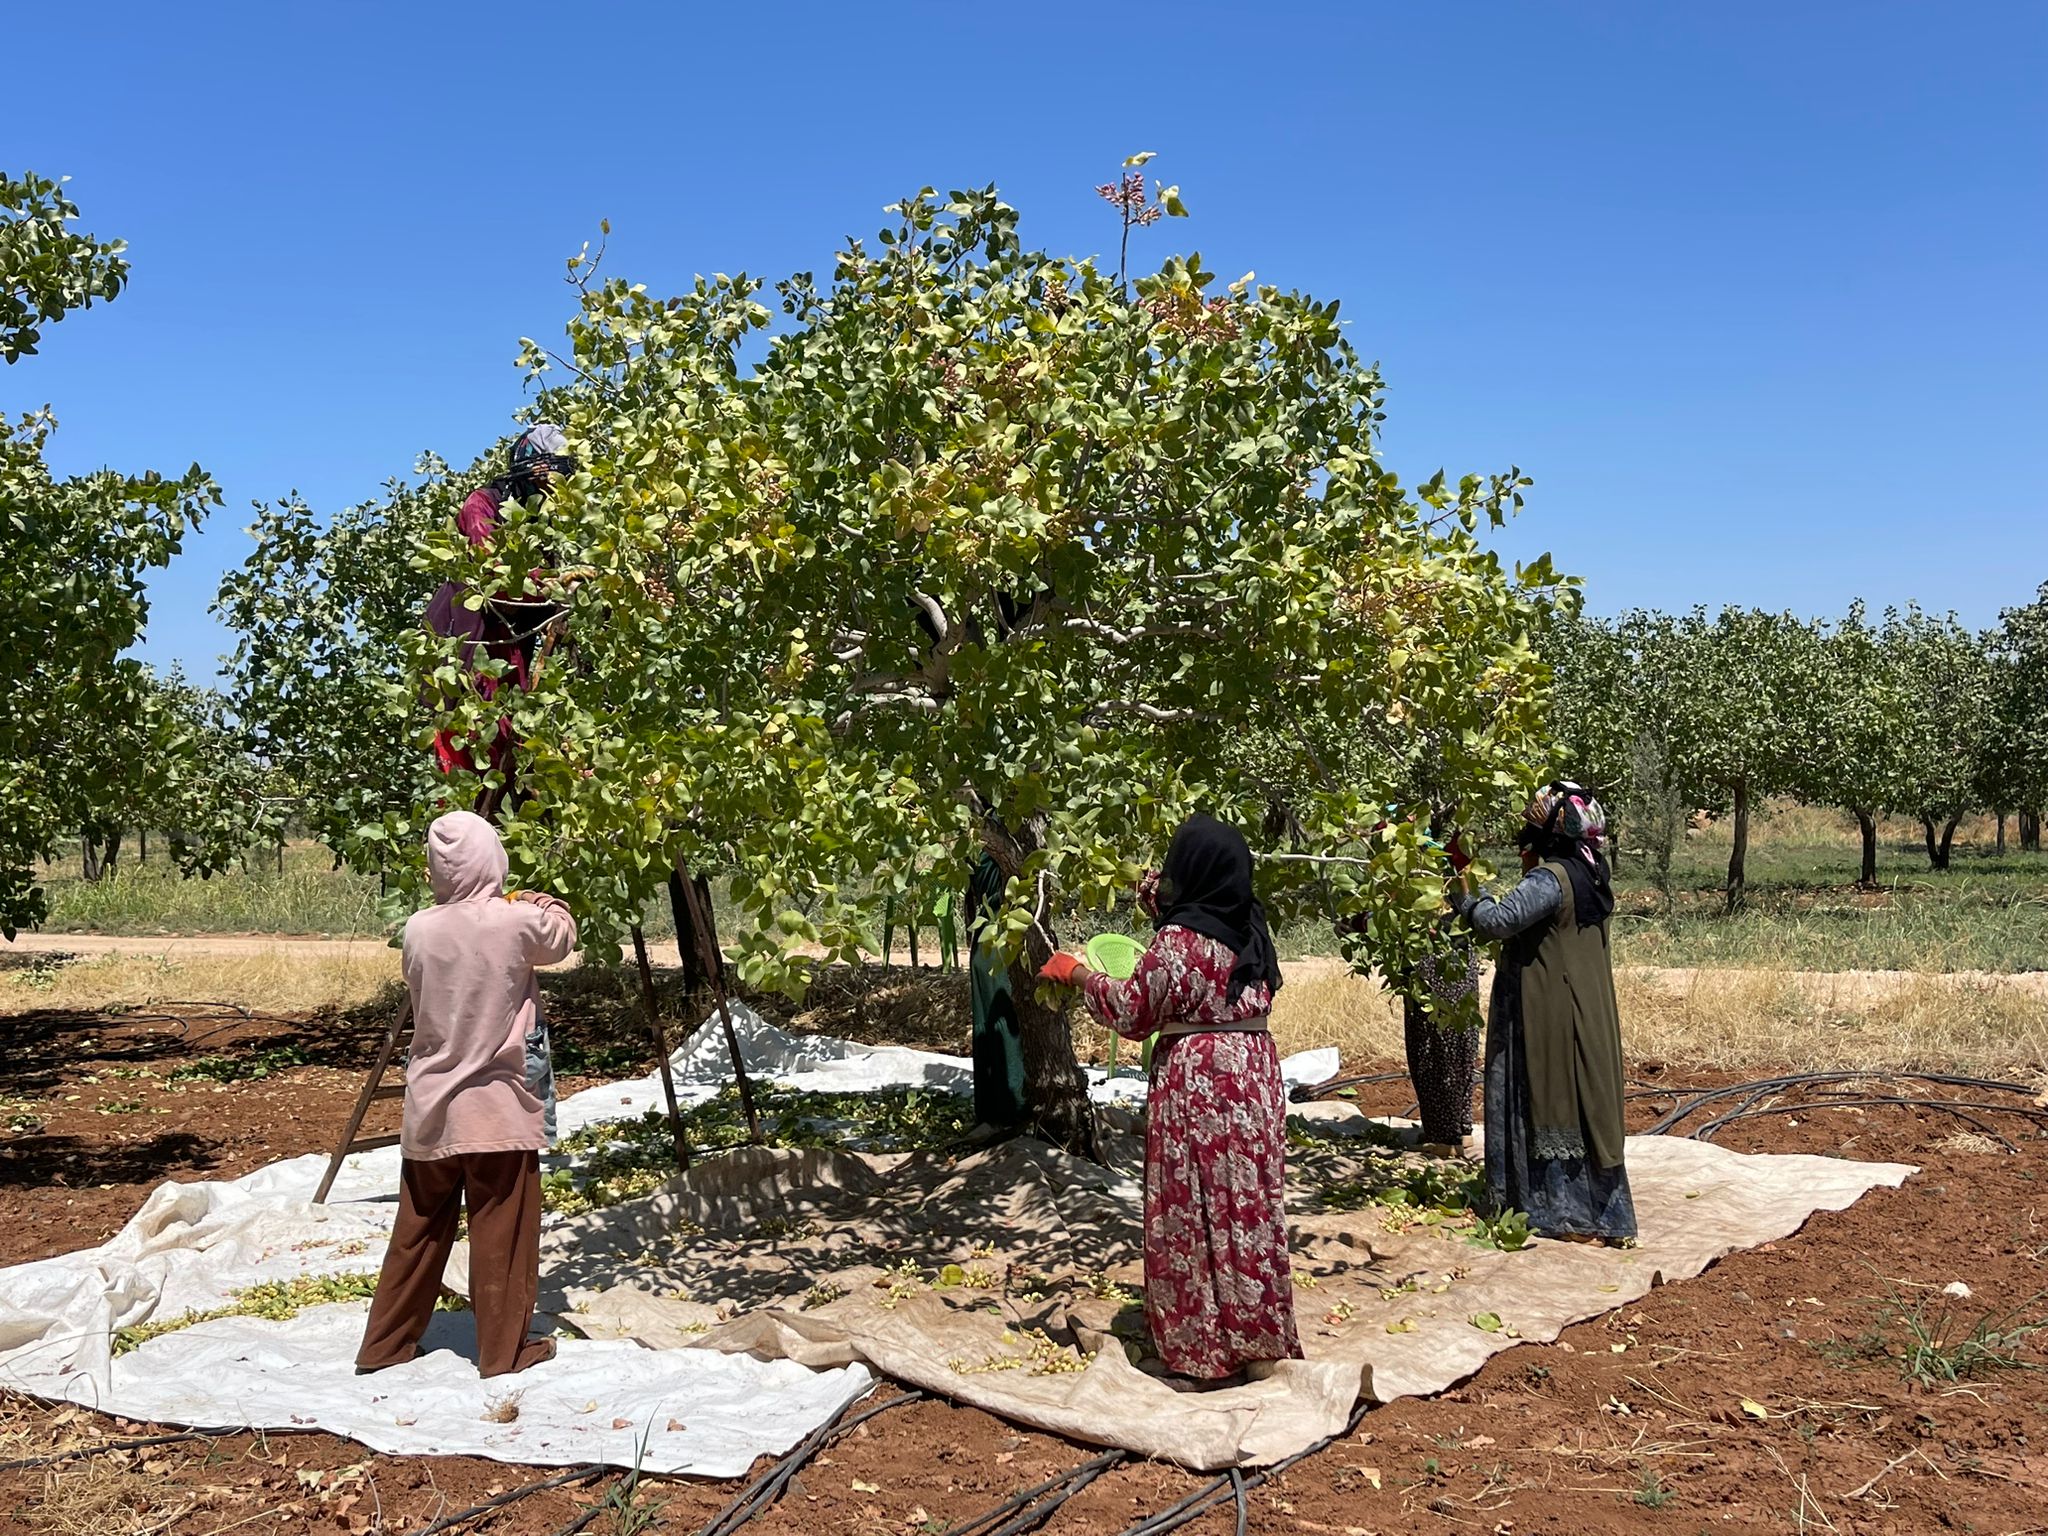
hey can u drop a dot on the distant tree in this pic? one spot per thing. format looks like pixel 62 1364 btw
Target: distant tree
pixel 2014 770
pixel 321 611
pixel 1948 671
pixel 1737 695
pixel 1862 742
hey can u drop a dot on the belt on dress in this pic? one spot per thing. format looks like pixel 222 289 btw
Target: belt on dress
pixel 1238 1027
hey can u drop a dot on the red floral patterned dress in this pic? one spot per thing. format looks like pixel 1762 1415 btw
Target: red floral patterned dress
pixel 1218 1291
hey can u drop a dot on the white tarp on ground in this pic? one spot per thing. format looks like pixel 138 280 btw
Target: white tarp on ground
pixel 192 1246
pixel 785 1261
pixel 837 1257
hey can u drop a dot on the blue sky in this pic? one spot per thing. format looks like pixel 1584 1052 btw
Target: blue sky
pixel 1755 291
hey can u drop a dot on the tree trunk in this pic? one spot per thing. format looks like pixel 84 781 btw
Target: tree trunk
pixel 113 858
pixel 2030 831
pixel 280 855
pixel 1939 844
pixel 142 843
pixel 1443 1066
pixel 1866 823
pixel 89 857
pixel 1738 856
pixel 2001 834
pixel 690 947
pixel 1055 1090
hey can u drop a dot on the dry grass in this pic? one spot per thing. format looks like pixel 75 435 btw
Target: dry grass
pixel 1740 1018
pixel 1737 1019
pixel 1726 1018
pixel 105 1496
pixel 271 978
pixel 93 1495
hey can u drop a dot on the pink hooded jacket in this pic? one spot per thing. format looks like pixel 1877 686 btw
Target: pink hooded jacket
pixel 469 962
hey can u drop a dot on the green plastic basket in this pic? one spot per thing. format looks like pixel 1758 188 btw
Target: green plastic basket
pixel 1117 954
pixel 1114 954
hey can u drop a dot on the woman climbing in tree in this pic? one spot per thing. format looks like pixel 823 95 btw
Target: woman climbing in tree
pixel 1218 1291
pixel 507 630
pixel 1553 1034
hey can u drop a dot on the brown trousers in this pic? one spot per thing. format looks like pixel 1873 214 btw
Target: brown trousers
pixel 502 1190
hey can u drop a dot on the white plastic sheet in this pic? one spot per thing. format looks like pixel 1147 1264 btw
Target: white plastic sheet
pixel 192 1246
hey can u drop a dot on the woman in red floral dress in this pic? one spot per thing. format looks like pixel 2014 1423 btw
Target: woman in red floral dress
pixel 1219 1294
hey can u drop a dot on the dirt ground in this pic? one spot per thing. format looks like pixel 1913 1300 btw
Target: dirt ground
pixel 1763 1395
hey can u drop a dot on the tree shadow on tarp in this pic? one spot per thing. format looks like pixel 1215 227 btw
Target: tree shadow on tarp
pixel 759 1225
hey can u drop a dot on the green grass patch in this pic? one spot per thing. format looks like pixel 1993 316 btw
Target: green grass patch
pixel 310 897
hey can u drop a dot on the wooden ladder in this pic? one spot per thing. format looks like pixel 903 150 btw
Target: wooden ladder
pixel 374 1089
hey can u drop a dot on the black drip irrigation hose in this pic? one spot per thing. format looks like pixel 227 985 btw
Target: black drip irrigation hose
pixel 1763 1087
pixel 1307 1092
pixel 1234 1485
pixel 1961 1110
pixel 582 1522
pixel 1019 1505
pixel 575 1475
pixel 764 1490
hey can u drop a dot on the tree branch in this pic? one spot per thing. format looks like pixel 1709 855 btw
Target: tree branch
pixel 1144 711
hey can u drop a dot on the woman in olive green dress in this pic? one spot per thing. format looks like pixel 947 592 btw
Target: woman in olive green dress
pixel 1554 1088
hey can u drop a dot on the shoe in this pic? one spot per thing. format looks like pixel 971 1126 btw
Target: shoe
pixel 533 1352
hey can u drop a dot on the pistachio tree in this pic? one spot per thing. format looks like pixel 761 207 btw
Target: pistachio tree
pixel 77 551
pixel 1861 749
pixel 1947 669
pixel 321 612
pixel 991 551
pixel 1738 692
pixel 2013 770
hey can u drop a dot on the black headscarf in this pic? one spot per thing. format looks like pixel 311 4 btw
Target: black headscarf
pixel 1206 887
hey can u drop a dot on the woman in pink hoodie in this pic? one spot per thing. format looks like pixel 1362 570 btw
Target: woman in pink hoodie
pixel 473 1125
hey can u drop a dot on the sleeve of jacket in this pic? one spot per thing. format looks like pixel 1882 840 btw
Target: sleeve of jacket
pixel 550 930
pixel 1535 898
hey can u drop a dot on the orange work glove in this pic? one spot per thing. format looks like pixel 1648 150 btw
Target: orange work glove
pixel 1063 968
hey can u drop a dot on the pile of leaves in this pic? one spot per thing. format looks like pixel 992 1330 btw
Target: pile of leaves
pixel 275 1300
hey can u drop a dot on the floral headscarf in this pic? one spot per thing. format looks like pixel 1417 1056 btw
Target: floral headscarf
pixel 1564 822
